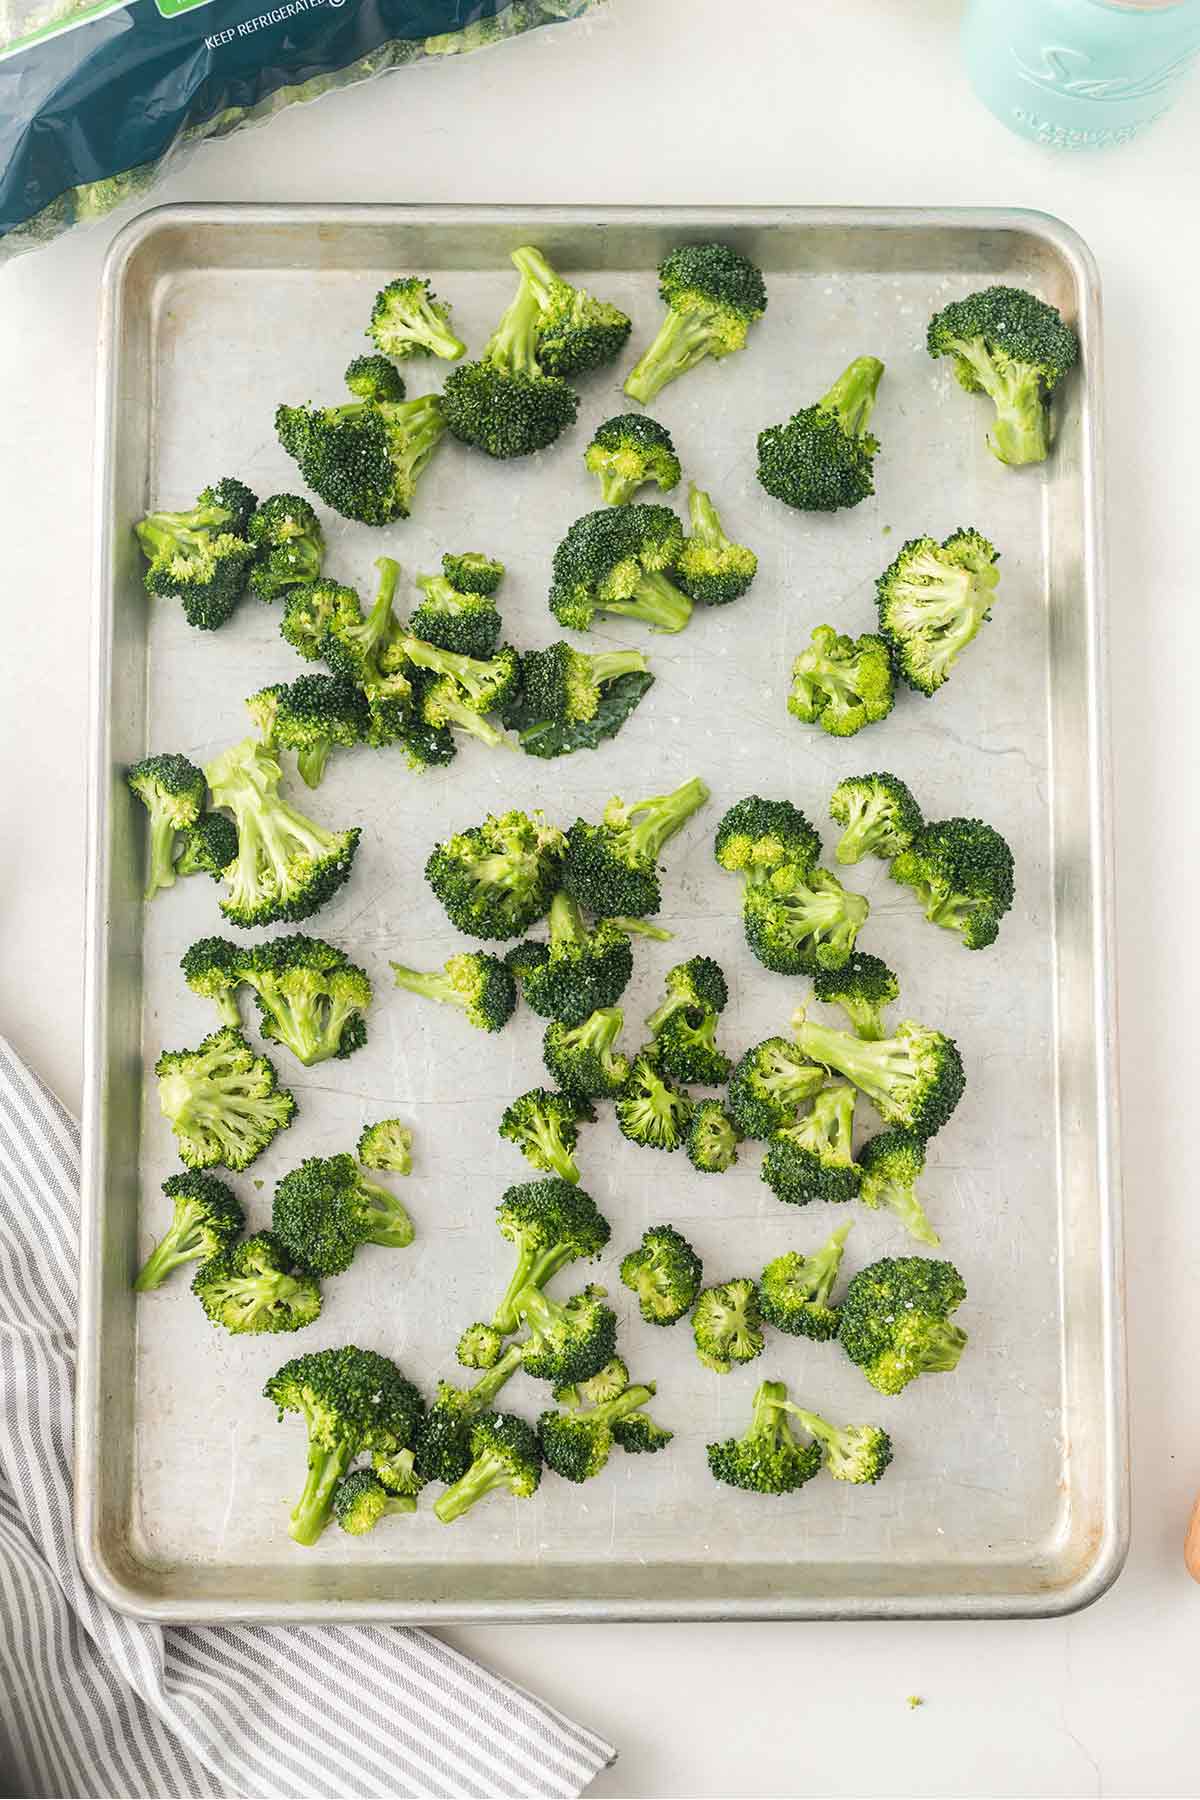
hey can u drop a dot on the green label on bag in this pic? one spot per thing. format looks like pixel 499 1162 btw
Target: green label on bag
pixel 171 8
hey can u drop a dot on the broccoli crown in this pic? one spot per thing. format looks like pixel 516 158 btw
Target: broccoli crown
pixel 769 1085
pixel 208 846
pixel 497 879
pixel 327 1207
pixel 386 1145
pixel 813 1159
pixel 213 968
pixel 878 816
pixel 544 1127
pixel 651 1110
pixel 372 377
pixel 697 983
pixel 443 1445
pixel 712 295
pixel 665 1273
pixel 201 557
pixel 361 1500
pixel 172 790
pixel 611 868
pixel 712 569
pixel 638 1435
pixel 552 1223
pixel 863 987
pixel 289 545
pixel 727 1325
pixel 961 871
pixel 582 1059
pixel 768 1458
pixel 796 922
pixel 360 646
pixel 471 572
pixel 311 716
pixel 223 1102
pixel 913 1079
pixel 407 320
pixel 618 560
pixel 822 458
pixel 757 836
pixel 892 1163
pixel 575 331
pixel 505 403
pixel 568 1342
pixel 206 1218
pixel 505 1454
pixel 584 969
pixel 249 1287
pixel 576 1444
pixel 712 1139
pixel 480 1346
pixel 287 866
pixel 364 459
pixel 842 683
pixel 310 996
pixel 606 1384
pixel 1015 348
pixel 932 600
pixel 308 611
pixel 685 1047
pixel 560 685
pixel 467 624
pixel 795 1291
pixel 629 451
pixel 464 687
pixel 857 1453
pixel 895 1320
pixel 425 746
pixel 479 984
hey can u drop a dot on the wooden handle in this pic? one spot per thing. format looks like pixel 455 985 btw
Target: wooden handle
pixel 1191 1544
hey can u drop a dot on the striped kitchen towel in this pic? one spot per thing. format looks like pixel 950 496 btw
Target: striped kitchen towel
pixel 92 1703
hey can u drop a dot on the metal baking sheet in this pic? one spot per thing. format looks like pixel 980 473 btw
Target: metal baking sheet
pixel 1008 1493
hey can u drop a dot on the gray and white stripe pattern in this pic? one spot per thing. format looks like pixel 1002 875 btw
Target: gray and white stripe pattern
pixel 93 1703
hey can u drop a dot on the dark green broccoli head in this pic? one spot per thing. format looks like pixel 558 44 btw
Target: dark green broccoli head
pixel 497 879
pixel 685 1047
pixel 374 378
pixel 896 1320
pixel 311 716
pixel 795 1292
pixel 628 452
pixel 577 1443
pixel 223 1102
pixel 712 569
pixel 249 1287
pixel 712 1139
pixel 769 1085
pixel 842 683
pixel 465 623
pixel 505 1455
pixel 506 404
pixel 769 1458
pixel 551 1223
pixel 651 1110
pixel 407 319
pixel 308 611
pixel 618 560
pixel 471 572
pixel 961 871
pixel 289 545
pixel 544 1127
pixel 583 969
pixel 822 458
pixel 913 1079
pixel 564 686
pixel 206 1218
pixel 878 816
pixel 862 987
pixel 1015 348
pixel 310 996
pixel 697 983
pixel 327 1207
pixel 386 1145
pixel 612 868
pixel 575 331
pixel 360 1501
pixel 638 1434
pixel 892 1163
pixel 813 1159
pixel 795 923
pixel 757 836
pixel 480 1347
pixel 932 599
pixel 201 557
pixel 568 1342
pixel 713 295
pixel 364 459
pixel 172 791
pixel 215 969
pixel 665 1273
pixel 727 1325
pixel 480 985
pixel 583 1059
pixel 207 847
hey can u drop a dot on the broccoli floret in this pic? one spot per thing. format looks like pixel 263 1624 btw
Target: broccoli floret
pixel 961 871
pixel 213 968
pixel 696 985
pixel 545 1128
pixel 364 459
pixel 223 1102
pixel 443 1448
pixel 386 1145
pixel 813 1159
pixel 892 1163
pixel 311 715
pixel 665 1273
pixel 308 611
pixel 878 816
pixel 727 1325
pixel 821 458
pixel 425 746
pixel 479 984
pixel 327 1207
pixel 505 1454
pixel 465 623
pixel 638 1435
pixel 362 646
pixel 351 1401
pixel 249 1287
pixel 769 1085
pixel 577 1443
pixel 712 568
pixel 560 685
pixel 862 988
pixel 552 1224
pixel 857 1453
pixel 463 689
pixel 471 572
pixel 712 1139
pixel 683 1028
pixel 611 868
pixel 619 560
pixel 895 1321
pixel 651 1111
pixel 360 1501
pixel 206 1219
pixel 756 837
pixel 842 683
pixel 310 997
pixel 795 1292
pixel 506 404
pixel 606 1384
pixel 289 545
pixel 628 452
pixel 201 557
pixel 575 331
pixel 932 600
pixel 582 1058
pixel 913 1079
pixel 795 923
pixel 172 791
pixel 568 1341
pixel 768 1458
pixel 208 847
pixel 408 319
pixel 287 866
pixel 497 879
pixel 582 971
pixel 480 1346
pixel 713 295
pixel 1014 348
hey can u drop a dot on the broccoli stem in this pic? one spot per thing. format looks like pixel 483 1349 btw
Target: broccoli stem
pixel 513 344
pixel 684 339
pixel 1020 431
pixel 567 923
pixel 312 1512
pixel 484 1391
pixel 534 1269
pixel 767 1420
pixel 822 1267
pixel 434 985
pixel 541 279
pixel 656 601
pixel 705 520
pixel 485 1473
pixel 912 1215
pixel 453 712
pixel 654 822
pixel 852 397
pixel 180 1244
pixel 310 763
pixel 388 1222
pixel 872 1065
pixel 548 1139
pixel 161 873
pixel 610 665
pixel 609 1411
pixel 643 928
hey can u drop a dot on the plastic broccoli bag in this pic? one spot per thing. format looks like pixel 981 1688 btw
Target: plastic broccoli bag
pixel 96 95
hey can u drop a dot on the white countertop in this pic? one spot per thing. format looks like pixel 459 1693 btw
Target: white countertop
pixel 862 102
